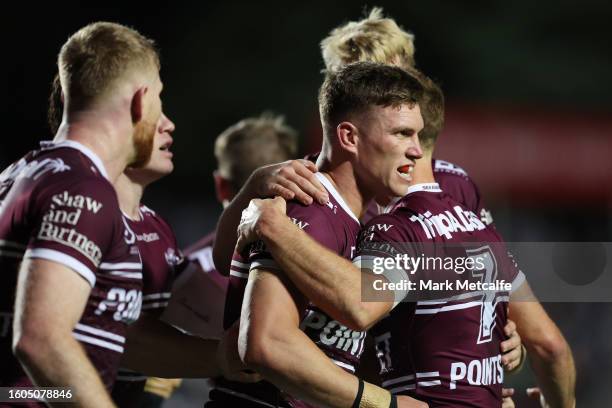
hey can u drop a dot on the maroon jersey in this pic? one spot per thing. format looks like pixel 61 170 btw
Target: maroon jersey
pixel 454 181
pixel 200 253
pixel 444 351
pixel 334 226
pixel 198 295
pixel 162 260
pixel 56 203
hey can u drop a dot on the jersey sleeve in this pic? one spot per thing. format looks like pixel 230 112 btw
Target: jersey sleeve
pixel 75 225
pixel 380 242
pixel 310 219
pixel 512 272
pixel 476 203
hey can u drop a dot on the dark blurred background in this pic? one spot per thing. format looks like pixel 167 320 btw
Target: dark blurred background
pixel 529 109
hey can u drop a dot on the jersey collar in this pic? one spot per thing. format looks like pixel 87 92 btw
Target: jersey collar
pixel 330 187
pixel 48 144
pixel 427 187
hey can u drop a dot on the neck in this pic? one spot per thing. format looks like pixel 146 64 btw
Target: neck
pixel 342 177
pixel 423 172
pixel 129 194
pixel 105 136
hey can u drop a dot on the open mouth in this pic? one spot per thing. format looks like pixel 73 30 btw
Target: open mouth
pixel 405 171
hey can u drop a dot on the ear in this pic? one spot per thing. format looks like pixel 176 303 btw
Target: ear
pixel 347 135
pixel 137 106
pixel 223 188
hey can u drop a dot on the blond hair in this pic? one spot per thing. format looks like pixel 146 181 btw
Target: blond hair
pixel 252 143
pixel 375 38
pixel 97 57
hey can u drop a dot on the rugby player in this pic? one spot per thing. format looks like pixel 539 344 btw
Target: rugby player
pixel 405 344
pixel 380 39
pixel 162 262
pixel 239 153
pixel 356 161
pixel 67 301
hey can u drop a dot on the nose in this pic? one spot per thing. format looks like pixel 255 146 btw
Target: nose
pixel 166 124
pixel 414 151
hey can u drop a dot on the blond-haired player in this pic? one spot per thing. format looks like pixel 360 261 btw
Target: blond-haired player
pixel 61 234
pixel 381 39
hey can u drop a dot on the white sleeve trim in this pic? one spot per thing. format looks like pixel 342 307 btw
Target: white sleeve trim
pixel 66 260
pixel 394 275
pixel 265 264
pixel 518 281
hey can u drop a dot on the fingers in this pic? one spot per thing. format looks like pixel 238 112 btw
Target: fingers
pixel 534 393
pixel 293 179
pixel 511 359
pixel 309 165
pixel 309 182
pixel 297 191
pixel 507 394
pixel 511 348
pixel 510 328
pixel 278 190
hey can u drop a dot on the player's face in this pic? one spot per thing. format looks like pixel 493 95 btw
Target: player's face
pixel 160 163
pixel 145 129
pixel 388 148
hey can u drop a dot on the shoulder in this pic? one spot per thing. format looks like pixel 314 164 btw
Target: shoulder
pixel 154 219
pixel 308 217
pixel 448 168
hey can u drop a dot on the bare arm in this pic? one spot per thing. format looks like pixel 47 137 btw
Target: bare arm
pixel 331 282
pixel 177 355
pixel 549 354
pixel 49 302
pixel 271 342
pixel 291 179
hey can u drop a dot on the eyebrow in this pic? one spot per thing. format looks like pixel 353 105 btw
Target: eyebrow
pixel 402 129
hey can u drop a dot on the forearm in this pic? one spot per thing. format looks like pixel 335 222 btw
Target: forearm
pixel 328 280
pixel 548 351
pixel 157 349
pixel 556 376
pixel 62 362
pixel 320 382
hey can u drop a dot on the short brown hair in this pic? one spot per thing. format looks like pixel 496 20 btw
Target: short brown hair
pixel 361 85
pixel 432 109
pixel 375 38
pixel 252 143
pixel 99 55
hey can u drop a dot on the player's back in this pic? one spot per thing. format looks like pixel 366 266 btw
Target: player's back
pixel 57 204
pixel 443 348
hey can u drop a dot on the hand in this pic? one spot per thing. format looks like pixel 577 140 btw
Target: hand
pixel 507 401
pixel 511 348
pixel 407 402
pixel 536 394
pixel 257 211
pixel 229 361
pixel 293 179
